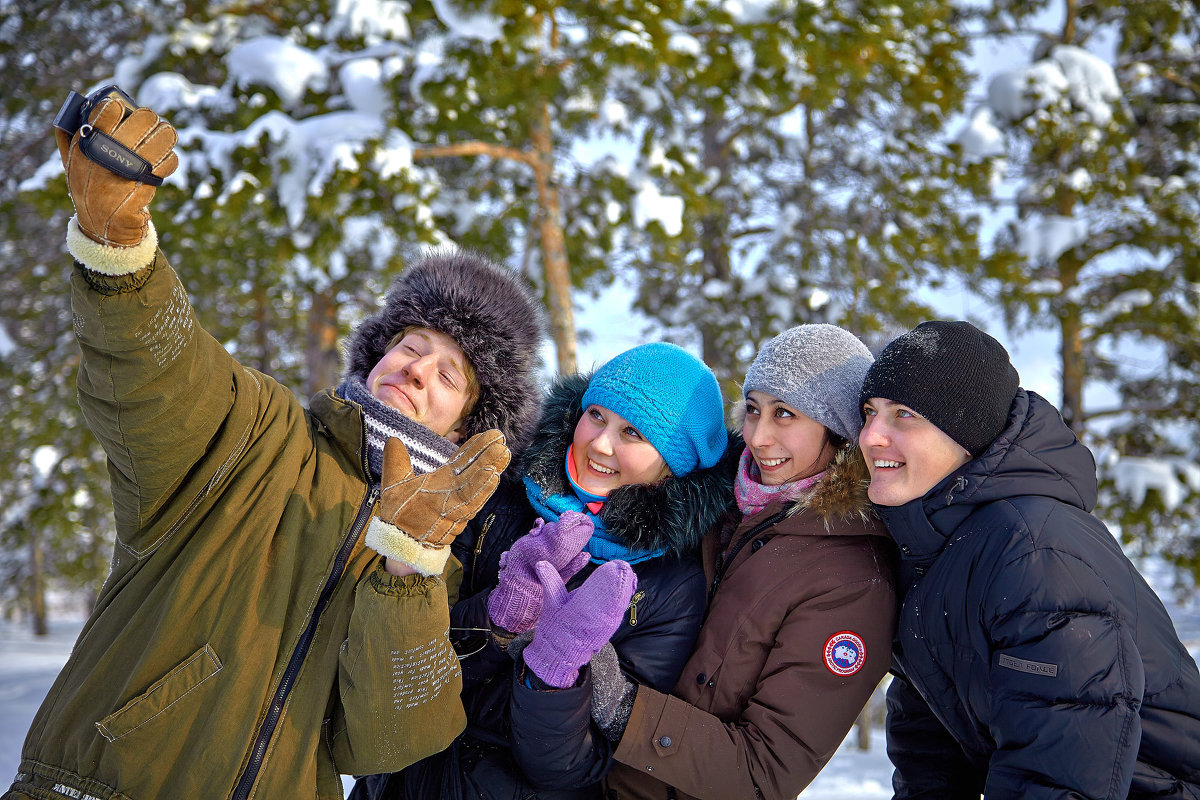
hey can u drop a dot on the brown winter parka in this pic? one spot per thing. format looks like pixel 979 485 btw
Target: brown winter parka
pixel 768 695
pixel 245 644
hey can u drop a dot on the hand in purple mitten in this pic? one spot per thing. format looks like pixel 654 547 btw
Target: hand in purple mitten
pixel 516 602
pixel 575 625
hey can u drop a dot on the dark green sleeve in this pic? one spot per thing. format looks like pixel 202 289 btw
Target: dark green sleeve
pixel 398 676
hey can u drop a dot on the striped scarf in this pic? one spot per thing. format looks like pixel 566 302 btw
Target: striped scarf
pixel 426 449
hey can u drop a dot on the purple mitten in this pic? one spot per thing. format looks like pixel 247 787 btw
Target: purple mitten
pixel 516 602
pixel 575 625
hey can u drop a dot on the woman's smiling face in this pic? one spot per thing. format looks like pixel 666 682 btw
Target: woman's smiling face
pixel 608 452
pixel 786 444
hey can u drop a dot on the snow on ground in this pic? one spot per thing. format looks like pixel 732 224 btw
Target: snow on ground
pixel 28 665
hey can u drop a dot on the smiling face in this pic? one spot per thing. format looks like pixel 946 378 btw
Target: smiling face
pixel 786 444
pixel 608 452
pixel 907 455
pixel 426 377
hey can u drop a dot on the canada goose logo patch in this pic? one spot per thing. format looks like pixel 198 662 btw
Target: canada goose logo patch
pixel 845 653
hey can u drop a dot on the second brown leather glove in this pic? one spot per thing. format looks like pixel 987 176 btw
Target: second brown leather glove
pixel 419 515
pixel 111 210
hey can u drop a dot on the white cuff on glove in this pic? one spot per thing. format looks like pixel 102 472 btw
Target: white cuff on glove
pixel 109 259
pixel 388 540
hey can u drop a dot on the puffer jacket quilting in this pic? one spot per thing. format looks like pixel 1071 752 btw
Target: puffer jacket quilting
pixel 1032 659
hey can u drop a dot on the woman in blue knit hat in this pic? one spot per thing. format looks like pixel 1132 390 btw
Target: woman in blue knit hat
pixel 630 468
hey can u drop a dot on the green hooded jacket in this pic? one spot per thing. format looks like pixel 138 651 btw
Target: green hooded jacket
pixel 245 644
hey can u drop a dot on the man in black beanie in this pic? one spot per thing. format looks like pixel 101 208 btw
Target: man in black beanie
pixel 1031 659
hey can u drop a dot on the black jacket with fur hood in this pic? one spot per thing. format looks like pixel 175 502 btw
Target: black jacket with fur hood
pixel 558 752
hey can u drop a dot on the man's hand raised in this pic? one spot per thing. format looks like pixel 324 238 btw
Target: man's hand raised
pixel 420 515
pixel 110 209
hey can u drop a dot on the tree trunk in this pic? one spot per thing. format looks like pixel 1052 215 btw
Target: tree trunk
pixel 262 339
pixel 322 352
pixel 715 244
pixel 862 729
pixel 554 248
pixel 1071 325
pixel 37 584
pixel 1072 366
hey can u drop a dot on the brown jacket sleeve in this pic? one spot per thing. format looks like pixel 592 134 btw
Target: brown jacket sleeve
pixel 791 725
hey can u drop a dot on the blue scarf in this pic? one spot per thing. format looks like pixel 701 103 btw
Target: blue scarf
pixel 603 545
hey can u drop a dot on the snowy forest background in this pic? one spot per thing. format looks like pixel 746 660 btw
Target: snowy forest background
pixel 708 172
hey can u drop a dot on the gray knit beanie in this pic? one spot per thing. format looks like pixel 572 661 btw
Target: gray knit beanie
pixel 816 369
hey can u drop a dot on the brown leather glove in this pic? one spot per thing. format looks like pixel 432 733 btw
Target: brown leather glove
pixel 110 209
pixel 419 515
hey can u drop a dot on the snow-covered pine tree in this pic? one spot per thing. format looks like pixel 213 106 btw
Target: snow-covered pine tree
pixel 515 115
pixel 800 143
pixel 295 201
pixel 296 198
pixel 56 524
pixel 1093 146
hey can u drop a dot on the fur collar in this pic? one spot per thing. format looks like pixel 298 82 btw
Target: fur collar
pixel 841 496
pixel 674 514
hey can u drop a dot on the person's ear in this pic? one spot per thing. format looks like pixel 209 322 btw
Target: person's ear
pixel 456 434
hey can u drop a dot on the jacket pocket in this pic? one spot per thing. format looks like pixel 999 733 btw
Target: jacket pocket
pixel 164 693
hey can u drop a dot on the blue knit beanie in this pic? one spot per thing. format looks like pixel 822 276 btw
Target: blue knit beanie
pixel 671 397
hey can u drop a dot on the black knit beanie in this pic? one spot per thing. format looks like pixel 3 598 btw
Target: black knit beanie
pixel 951 373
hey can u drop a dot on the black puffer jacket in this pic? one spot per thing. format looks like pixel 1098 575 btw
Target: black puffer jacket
pixel 1032 659
pixel 565 756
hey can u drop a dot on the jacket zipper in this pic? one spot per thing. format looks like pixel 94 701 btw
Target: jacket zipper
pixel 633 608
pixel 267 729
pixel 483 532
pixel 960 485
pixel 723 562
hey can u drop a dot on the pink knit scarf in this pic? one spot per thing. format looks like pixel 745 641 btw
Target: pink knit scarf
pixel 753 496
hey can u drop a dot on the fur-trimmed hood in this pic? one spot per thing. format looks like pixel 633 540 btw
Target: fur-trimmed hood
pixel 674 514
pixel 841 496
pixel 488 312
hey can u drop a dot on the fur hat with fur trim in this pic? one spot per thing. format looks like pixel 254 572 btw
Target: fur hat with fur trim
pixel 488 312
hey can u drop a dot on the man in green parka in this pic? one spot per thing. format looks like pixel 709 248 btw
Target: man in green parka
pixel 250 641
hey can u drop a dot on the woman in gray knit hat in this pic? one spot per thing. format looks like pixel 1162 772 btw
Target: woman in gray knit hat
pixel 801 600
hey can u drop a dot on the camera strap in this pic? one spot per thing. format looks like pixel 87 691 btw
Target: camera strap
pixel 98 146
pixel 106 151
